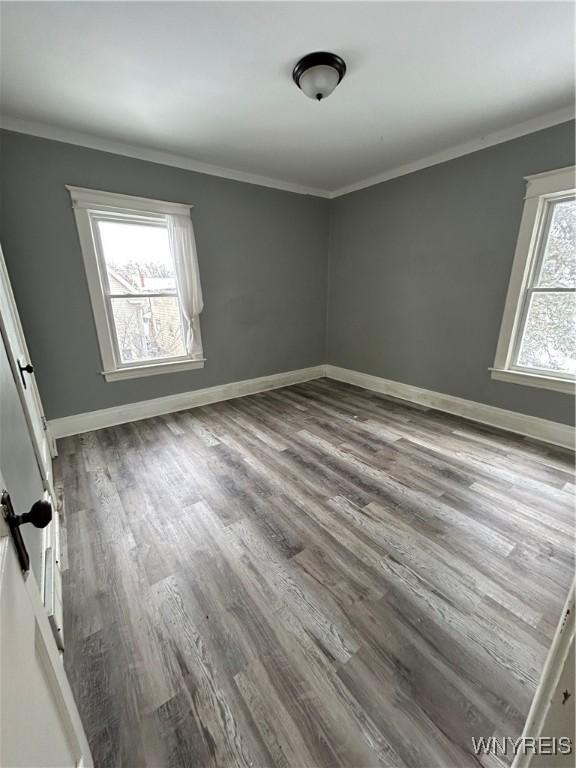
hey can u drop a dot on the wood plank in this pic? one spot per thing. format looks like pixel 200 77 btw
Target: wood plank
pixel 318 576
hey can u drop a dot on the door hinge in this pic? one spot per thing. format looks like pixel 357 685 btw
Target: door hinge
pixel 44 423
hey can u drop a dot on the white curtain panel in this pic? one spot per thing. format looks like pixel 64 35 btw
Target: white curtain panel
pixel 183 247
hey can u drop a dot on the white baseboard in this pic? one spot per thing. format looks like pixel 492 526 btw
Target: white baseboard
pixel 512 421
pixel 529 426
pixel 122 414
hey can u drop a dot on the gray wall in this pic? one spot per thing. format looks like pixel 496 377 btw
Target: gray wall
pixel 419 269
pixel 262 255
pixel 417 274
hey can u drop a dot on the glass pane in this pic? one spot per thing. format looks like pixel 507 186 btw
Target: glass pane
pixel 559 260
pixel 138 258
pixel 148 328
pixel 550 333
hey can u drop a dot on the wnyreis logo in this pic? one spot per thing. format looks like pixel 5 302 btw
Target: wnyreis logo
pixel 525 745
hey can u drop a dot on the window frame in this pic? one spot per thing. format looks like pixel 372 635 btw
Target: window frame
pixel 543 190
pixel 91 206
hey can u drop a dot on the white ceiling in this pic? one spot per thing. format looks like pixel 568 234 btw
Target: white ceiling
pixel 211 81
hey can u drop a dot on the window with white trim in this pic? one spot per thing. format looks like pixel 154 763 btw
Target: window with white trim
pixel 537 344
pixel 142 271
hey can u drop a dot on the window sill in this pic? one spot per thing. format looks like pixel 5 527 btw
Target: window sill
pixel 137 371
pixel 533 380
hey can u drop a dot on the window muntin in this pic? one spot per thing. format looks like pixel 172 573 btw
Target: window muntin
pixel 545 340
pixel 139 287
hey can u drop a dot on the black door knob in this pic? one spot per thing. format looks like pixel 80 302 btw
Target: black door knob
pixel 40 515
pixel 25 369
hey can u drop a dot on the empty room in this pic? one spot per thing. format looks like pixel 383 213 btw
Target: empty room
pixel 287 367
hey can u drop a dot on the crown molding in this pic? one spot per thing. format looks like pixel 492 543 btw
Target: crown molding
pixel 45 131
pixel 480 142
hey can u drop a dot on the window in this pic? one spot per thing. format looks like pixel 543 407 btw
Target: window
pixel 142 271
pixel 537 344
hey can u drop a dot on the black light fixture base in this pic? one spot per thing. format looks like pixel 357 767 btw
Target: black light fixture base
pixel 318 59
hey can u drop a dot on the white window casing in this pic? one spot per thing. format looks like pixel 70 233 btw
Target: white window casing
pixel 92 207
pixel 542 191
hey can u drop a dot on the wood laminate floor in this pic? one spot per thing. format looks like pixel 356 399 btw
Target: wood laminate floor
pixel 315 576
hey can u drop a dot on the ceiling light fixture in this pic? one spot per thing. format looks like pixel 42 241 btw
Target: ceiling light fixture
pixel 317 74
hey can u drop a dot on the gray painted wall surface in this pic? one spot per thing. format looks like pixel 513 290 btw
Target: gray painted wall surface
pixel 417 274
pixel 262 255
pixel 419 269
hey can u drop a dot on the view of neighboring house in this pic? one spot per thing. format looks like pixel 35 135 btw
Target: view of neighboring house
pixel 146 327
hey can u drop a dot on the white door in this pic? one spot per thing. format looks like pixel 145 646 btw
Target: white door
pixel 21 364
pixel 18 463
pixel 39 721
pixel 43 546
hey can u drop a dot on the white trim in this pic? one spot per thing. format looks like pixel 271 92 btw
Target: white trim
pixel 12 333
pixel 122 414
pixel 137 371
pixel 44 131
pixel 85 202
pixel 55 133
pixel 545 175
pixel 534 380
pixel 527 237
pixel 511 421
pixel 530 426
pixel 103 329
pixel 451 153
pixel 543 717
pixel 541 189
pixel 26 597
pixel 97 198
pixel 552 184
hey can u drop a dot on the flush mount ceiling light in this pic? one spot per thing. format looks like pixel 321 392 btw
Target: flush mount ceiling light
pixel 317 74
